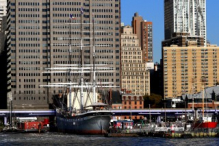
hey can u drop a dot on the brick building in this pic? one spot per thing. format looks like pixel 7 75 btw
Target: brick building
pixel 127 101
pixel 144 31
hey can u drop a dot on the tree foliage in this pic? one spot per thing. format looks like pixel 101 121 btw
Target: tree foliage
pixel 154 100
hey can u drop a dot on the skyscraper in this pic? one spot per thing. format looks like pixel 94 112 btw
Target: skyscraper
pixel 185 16
pixel 39 38
pixel 144 31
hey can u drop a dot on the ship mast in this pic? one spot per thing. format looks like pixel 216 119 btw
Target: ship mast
pixel 203 87
pixel 82 65
pixel 70 109
pixel 80 69
pixel 203 108
pixel 94 73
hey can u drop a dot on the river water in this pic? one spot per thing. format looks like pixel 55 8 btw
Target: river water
pixel 47 139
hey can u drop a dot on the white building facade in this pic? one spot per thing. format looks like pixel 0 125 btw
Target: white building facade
pixel 185 16
pixel 3 10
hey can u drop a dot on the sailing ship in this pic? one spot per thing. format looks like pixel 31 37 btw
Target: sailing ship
pixel 82 114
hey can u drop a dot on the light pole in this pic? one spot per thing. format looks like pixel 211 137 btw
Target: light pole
pixel 149 113
pixel 10 107
pixel 165 110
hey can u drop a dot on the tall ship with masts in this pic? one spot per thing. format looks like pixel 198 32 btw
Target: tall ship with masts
pixel 81 113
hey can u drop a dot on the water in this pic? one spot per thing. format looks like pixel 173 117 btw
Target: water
pixel 47 139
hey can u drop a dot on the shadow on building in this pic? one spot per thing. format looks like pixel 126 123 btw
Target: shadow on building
pixel 3 62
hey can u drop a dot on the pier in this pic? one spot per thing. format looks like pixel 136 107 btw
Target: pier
pixel 52 112
pixel 169 134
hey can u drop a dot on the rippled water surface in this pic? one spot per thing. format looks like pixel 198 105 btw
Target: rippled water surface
pixel 46 139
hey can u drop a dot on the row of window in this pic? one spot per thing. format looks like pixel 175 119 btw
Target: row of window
pixel 27 39
pixel 131 57
pixel 27 4
pixel 27 51
pixel 29 9
pixel 86 62
pixel 104 16
pixel 102 10
pixel 106 57
pixel 27 33
pixel 78 44
pixel 29 62
pixel 29 98
pixel 28 74
pixel 98 74
pixel 29 86
pixel 29 68
pixel 29 80
pixel 28 45
pixel 130 102
pixel 66 9
pixel 67 3
pixel 131 108
pixel 66 50
pixel 102 4
pixel 29 27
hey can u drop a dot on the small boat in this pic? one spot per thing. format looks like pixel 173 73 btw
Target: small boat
pixel 205 122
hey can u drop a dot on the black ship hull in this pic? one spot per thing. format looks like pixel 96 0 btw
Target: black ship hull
pixel 95 122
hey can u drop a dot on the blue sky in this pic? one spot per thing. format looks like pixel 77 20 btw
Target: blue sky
pixel 152 10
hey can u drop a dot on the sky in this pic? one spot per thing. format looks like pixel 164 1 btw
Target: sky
pixel 153 10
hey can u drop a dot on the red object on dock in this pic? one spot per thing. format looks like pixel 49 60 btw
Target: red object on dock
pixel 30 126
pixel 206 125
pixel 46 121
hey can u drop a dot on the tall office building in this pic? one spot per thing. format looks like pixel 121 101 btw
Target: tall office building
pixel 39 38
pixel 135 75
pixel 185 16
pixel 144 32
